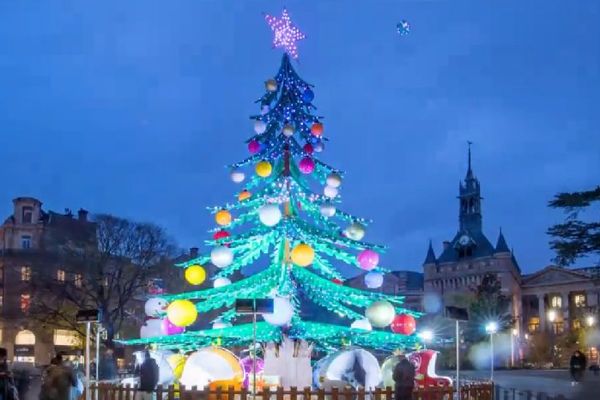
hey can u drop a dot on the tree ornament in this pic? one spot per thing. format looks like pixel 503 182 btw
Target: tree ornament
pixel 373 280
pixel 302 255
pixel 380 313
pixel 167 328
pixel 362 324
pixel 237 175
pixel 337 281
pixel 271 85
pixel 244 195
pixel 223 217
pixel 319 146
pixel 327 210
pixel 220 235
pixel 334 180
pixel 368 259
pixel 221 256
pixel 355 231
pixel 155 306
pixel 308 95
pixel 288 130
pixel 308 148
pixel 263 169
pixel 306 165
pixel 269 214
pixel 282 314
pixel 317 129
pixel 220 282
pixel 260 127
pixel 404 324
pixel 182 313
pixel 195 275
pixel 253 146
pixel 176 362
pixel 330 192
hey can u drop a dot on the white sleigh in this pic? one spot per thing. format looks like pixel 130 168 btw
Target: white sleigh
pixel 290 361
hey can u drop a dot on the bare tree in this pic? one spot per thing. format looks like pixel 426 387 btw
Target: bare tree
pixel 108 270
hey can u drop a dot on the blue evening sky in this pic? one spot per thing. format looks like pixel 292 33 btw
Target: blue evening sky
pixel 134 107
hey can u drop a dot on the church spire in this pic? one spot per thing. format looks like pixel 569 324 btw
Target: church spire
pixel 430 258
pixel 470 200
pixel 501 245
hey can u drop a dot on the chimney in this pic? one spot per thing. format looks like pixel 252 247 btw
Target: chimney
pixel 446 244
pixel 193 252
pixel 82 215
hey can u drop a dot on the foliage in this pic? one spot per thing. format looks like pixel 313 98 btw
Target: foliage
pixel 489 304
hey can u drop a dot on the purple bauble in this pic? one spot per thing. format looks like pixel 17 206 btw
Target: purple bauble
pixel 368 259
pixel 253 146
pixel 246 364
pixel 306 165
pixel 168 328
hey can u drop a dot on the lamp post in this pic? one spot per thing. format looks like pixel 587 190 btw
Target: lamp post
pixel 552 317
pixel 491 328
pixel 590 321
pixel 513 337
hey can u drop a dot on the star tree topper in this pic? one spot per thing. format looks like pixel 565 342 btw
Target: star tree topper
pixel 286 34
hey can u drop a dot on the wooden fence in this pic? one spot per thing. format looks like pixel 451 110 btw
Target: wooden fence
pixel 481 391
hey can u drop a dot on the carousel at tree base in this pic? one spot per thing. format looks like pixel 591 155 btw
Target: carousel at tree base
pixel 287 215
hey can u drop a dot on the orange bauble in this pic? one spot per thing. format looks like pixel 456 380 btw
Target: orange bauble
pixel 316 129
pixel 223 217
pixel 244 195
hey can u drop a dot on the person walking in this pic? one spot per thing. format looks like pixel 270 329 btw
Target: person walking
pixel 404 380
pixel 577 366
pixel 148 376
pixel 58 381
pixel 8 391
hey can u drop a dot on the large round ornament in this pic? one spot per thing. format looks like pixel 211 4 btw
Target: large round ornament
pixel 387 369
pixel 263 169
pixel 155 306
pixel 317 129
pixel 223 217
pixel 327 210
pixel 355 231
pixel 167 328
pixel 374 280
pixel 330 191
pixel 319 146
pixel 282 314
pixel 209 365
pixel 368 259
pixel 269 214
pixel 151 328
pixel 302 255
pixel 334 180
pixel 221 256
pixel 220 282
pixel 259 126
pixel 182 313
pixel 195 275
pixel 306 165
pixel 176 362
pixel 308 148
pixel 308 95
pixel 404 324
pixel 362 324
pixel 253 146
pixel 380 313
pixel 271 85
pixel 244 195
pixel 237 175
pixel 288 130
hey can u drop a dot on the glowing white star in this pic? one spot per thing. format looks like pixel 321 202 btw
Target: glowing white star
pixel 286 34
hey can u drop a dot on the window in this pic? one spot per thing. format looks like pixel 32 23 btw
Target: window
pixel 65 337
pixel 25 337
pixel 60 275
pixel 26 241
pixel 25 302
pixel 556 302
pixel 77 280
pixel 558 328
pixel 25 274
pixel 27 215
pixel 579 300
pixel 533 325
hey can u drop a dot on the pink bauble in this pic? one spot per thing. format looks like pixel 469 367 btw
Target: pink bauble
pixel 168 328
pixel 368 259
pixel 253 146
pixel 308 148
pixel 306 165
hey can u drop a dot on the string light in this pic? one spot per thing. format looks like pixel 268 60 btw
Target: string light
pixel 285 33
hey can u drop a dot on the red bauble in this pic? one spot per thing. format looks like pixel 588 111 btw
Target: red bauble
pixel 317 129
pixel 308 148
pixel 337 281
pixel 220 235
pixel 404 324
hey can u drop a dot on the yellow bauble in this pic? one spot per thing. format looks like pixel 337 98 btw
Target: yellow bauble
pixel 176 362
pixel 182 313
pixel 244 195
pixel 263 169
pixel 303 255
pixel 223 217
pixel 195 274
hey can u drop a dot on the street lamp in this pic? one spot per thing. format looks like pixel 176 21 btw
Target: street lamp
pixel 426 335
pixel 590 321
pixel 491 328
pixel 552 317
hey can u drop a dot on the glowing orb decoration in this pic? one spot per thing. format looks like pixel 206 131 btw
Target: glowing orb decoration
pixel 221 256
pixel 155 306
pixel 282 314
pixel 317 129
pixel 368 259
pixel 302 255
pixel 403 28
pixel 167 328
pixel 260 127
pixel 195 275
pixel 351 366
pixel 237 175
pixel 374 280
pixel 327 210
pixel 308 148
pixel 306 165
pixel 220 282
pixel 269 214
pixel 285 33
pixel 244 195
pixel 223 217
pixel 218 324
pixel 355 231
pixel 151 328
pixel 362 324
pixel 211 364
pixel 334 180
pixel 330 192
pixel 263 169
pixel 404 324
pixel 308 95
pixel 176 362
pixel 380 313
pixel 271 85
pixel 182 313
pixel 288 130
pixel 319 147
pixel 253 146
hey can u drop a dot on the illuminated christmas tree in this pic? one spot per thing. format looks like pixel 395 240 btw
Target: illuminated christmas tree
pixel 287 217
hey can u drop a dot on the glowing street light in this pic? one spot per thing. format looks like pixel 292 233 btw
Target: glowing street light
pixel 552 315
pixel 491 328
pixel 590 320
pixel 426 335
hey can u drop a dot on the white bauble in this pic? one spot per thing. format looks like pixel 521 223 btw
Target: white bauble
pixel 151 328
pixel 155 306
pixel 259 126
pixel 380 313
pixel 283 311
pixel 355 231
pixel 327 210
pixel 269 214
pixel 288 130
pixel 318 147
pixel 218 324
pixel 374 280
pixel 220 282
pixel 330 191
pixel 334 180
pixel 221 256
pixel 362 324
pixel 237 175
pixel 264 109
